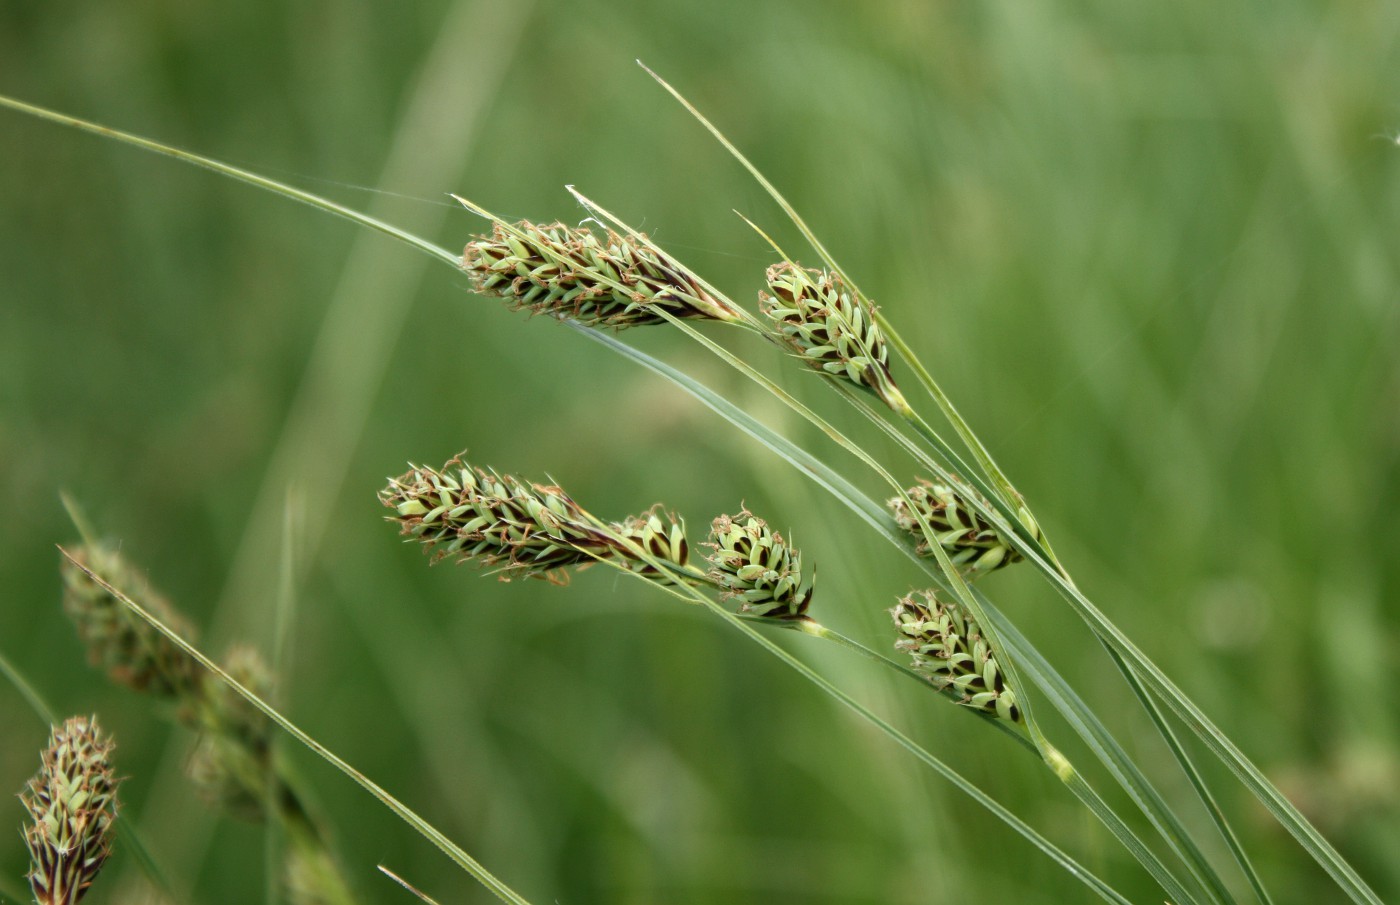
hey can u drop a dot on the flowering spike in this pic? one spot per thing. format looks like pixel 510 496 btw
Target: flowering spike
pixel 232 762
pixel 72 802
pixel 973 545
pixel 573 274
pixel 526 529
pixel 130 650
pixel 753 563
pixel 830 328
pixel 948 648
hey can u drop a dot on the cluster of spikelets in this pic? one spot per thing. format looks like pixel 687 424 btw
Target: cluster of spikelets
pixel 573 274
pixel 532 529
pixel 754 564
pixel 972 544
pixel 127 648
pixel 948 648
pixel 134 653
pixel 830 328
pixel 72 807
pixel 232 764
pixel 524 529
pixel 622 281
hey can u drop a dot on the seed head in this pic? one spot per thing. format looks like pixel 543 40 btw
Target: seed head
pixel 757 566
pixel 973 545
pixel 130 650
pixel 573 274
pixel 830 328
pixel 72 802
pixel 231 764
pixel 523 528
pixel 947 646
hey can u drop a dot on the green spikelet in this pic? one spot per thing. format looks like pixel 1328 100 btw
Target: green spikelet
pixel 72 802
pixel 970 541
pixel 523 529
pixel 753 563
pixel 947 646
pixel 120 642
pixel 572 274
pixel 830 328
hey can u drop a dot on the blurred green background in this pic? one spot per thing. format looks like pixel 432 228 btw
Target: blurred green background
pixel 1150 249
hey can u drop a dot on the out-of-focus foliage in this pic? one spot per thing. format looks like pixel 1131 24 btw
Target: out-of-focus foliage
pixel 1150 250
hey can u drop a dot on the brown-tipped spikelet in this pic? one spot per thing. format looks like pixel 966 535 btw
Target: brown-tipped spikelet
pixel 830 328
pixel 753 563
pixel 947 646
pixel 118 641
pixel 972 544
pixel 231 764
pixel 523 528
pixel 572 274
pixel 72 802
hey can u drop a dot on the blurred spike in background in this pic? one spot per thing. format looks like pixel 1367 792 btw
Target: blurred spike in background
pixel 1150 250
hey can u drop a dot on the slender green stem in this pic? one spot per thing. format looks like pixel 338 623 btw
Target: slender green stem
pixel 233 172
pixel 423 897
pixel 809 626
pixel 1080 715
pixel 1063 769
pixel 1202 791
pixel 1051 757
pixel 1024 829
pixel 26 690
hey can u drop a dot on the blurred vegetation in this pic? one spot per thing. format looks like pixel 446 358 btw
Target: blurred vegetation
pixel 1150 250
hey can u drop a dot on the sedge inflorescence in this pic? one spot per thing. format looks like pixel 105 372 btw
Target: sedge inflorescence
pixel 948 647
pixel 830 328
pixel 72 803
pixel 522 528
pixel 972 544
pixel 130 650
pixel 572 273
pixel 752 562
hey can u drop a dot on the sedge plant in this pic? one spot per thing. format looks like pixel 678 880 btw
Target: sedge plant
pixel 958 521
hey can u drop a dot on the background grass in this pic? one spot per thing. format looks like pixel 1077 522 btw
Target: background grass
pixel 1149 250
